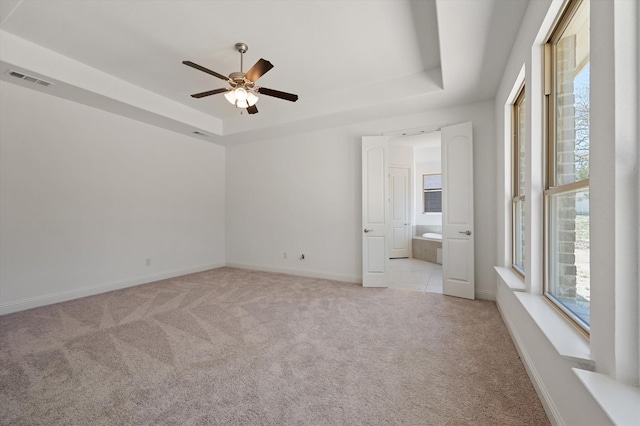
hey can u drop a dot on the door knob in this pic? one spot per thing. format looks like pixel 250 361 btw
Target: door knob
pixel 366 231
pixel 465 232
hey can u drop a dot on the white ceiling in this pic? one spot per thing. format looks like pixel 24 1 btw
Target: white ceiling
pixel 348 61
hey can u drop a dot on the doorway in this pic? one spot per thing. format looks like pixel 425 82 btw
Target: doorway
pixel 457 209
pixel 415 274
pixel 421 268
pixel 400 214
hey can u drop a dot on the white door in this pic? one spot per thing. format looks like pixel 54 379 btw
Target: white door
pixel 400 209
pixel 457 211
pixel 375 211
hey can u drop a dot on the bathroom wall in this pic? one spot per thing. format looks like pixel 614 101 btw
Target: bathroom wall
pixel 400 155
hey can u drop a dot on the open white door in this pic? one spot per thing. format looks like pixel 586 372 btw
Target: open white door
pixel 457 211
pixel 400 206
pixel 375 211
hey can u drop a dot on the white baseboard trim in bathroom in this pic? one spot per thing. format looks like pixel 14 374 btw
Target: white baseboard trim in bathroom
pixel 300 272
pixel 63 296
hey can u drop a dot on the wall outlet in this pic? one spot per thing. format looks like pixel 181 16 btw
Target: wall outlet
pixel 302 257
pixel 147 261
pixel 284 255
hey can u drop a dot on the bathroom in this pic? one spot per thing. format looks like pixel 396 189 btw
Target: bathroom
pixel 416 211
pixel 427 235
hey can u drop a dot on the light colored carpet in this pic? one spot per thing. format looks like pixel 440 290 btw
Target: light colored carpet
pixel 236 347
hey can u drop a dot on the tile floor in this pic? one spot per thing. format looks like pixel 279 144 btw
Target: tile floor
pixel 415 274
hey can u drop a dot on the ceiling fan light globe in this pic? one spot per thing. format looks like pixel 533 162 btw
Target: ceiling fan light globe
pixel 252 99
pixel 241 94
pixel 231 97
pixel 242 103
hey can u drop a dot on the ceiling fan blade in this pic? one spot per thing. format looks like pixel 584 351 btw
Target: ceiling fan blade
pixel 252 109
pixel 208 93
pixel 203 69
pixel 278 94
pixel 259 69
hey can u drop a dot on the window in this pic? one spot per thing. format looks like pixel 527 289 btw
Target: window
pixel 567 282
pixel 518 202
pixel 432 185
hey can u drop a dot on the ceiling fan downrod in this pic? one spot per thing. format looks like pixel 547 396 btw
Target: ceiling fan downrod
pixel 242 48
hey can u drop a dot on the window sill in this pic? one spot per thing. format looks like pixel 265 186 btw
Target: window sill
pixel 619 401
pixel 565 338
pixel 510 278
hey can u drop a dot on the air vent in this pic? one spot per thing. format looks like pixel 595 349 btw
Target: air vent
pixel 29 78
pixel 200 133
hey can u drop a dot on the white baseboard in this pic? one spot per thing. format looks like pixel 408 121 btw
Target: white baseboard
pixel 485 294
pixel 300 272
pixel 544 395
pixel 63 296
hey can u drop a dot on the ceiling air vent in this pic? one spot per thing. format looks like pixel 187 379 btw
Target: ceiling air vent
pixel 29 78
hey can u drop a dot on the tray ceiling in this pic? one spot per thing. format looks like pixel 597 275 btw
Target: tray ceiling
pixel 348 61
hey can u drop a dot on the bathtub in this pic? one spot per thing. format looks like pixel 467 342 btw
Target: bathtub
pixel 432 236
pixel 428 247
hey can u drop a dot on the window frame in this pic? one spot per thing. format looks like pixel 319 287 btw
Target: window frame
pixel 551 187
pixel 518 103
pixel 424 191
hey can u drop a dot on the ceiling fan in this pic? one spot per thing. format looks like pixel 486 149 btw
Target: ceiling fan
pixel 242 89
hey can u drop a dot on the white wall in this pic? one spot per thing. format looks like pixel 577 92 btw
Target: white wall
pixel 400 155
pixel 298 194
pixel 87 196
pixel 302 194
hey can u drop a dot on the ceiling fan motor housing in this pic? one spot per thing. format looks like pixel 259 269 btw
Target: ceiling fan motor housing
pixel 237 76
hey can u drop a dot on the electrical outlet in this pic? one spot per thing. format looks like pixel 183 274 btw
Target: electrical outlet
pixel 284 255
pixel 302 257
pixel 147 261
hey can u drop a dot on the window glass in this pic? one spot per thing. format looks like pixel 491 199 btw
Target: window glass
pixel 569 252
pixel 519 181
pixel 520 141
pixel 518 235
pixel 432 185
pixel 571 97
pixel 567 281
pixel 432 182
